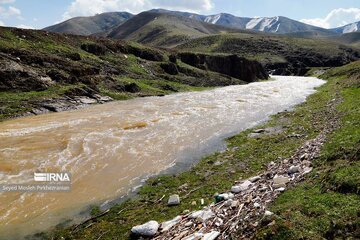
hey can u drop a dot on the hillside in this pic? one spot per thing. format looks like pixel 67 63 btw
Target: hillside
pixel 349 38
pixel 164 30
pixel 42 72
pixel 278 24
pixel 280 54
pixel 90 25
pixel 349 28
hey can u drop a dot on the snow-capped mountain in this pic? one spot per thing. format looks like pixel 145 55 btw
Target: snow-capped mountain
pixel 281 25
pixel 353 27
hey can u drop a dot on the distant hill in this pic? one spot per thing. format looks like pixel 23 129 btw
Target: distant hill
pixel 349 38
pixel 280 25
pixel 353 27
pixel 165 30
pixel 91 25
pixel 288 55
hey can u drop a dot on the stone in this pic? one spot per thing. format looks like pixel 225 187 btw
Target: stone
pixel 228 203
pixel 188 224
pixel 293 169
pixel 165 226
pixel 307 163
pixel 281 180
pixel 304 156
pixel 202 215
pixel 280 189
pixel 211 235
pixel 148 229
pixel 261 130
pixel 174 200
pixel 242 187
pixel 86 100
pixel 279 185
pixel 307 170
pixel 257 205
pixel 193 203
pixel 268 213
pixel 234 204
pixel 254 179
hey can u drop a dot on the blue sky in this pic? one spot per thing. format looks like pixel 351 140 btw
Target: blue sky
pixel 42 13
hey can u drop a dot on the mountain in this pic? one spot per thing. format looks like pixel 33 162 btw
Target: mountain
pixel 165 30
pixel 280 25
pixel 90 25
pixel 353 27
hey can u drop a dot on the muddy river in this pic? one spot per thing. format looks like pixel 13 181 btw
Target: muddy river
pixel 110 149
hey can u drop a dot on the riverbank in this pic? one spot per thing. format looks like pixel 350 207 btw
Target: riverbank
pixel 247 155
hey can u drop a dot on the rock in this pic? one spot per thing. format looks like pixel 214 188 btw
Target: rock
pixel 202 201
pixel 293 169
pixel 202 215
pixel 261 130
pixel 228 203
pixel 170 68
pixel 257 205
pixel 234 204
pixel 279 185
pixel 93 48
pixel 304 156
pixel 193 203
pixel 132 88
pixel 307 163
pixel 188 224
pixel 174 200
pixel 165 226
pixel 280 189
pixel 281 180
pixel 254 179
pixel 268 213
pixel 148 229
pixel 242 187
pixel 211 235
pixel 103 98
pixel 86 100
pixel 307 170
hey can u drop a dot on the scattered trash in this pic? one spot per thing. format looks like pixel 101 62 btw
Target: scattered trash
pixel 174 200
pixel 148 229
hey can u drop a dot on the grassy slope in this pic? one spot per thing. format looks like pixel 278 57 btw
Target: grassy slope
pixel 245 157
pixel 265 48
pixel 326 205
pixel 165 30
pixel 148 75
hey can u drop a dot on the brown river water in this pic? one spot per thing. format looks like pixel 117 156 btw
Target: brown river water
pixel 111 149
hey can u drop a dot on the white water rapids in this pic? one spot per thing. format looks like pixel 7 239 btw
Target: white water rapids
pixel 110 148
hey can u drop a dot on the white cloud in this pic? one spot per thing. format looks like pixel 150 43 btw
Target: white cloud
pixel 25 26
pixel 88 8
pixel 336 18
pixel 9 12
pixel 2 23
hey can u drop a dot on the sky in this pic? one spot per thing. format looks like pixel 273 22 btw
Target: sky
pixel 42 13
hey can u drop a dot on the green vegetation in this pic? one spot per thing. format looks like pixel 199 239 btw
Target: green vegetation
pixel 245 157
pixel 326 205
pixel 13 103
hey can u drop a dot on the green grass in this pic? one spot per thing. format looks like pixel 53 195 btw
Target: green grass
pixel 15 103
pixel 326 205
